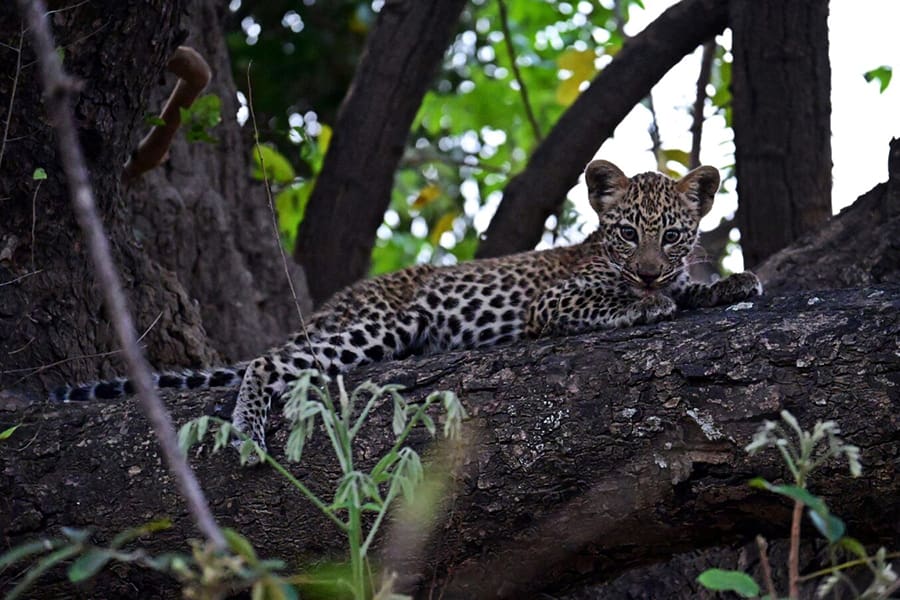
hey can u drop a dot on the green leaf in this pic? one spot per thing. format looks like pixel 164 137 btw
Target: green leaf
pixel 154 120
pixel 42 566
pixel 880 74
pixel 187 436
pixel 39 174
pixel 240 545
pixel 88 564
pixel 729 581
pixel 278 168
pixel 794 492
pixel 76 536
pixel 204 114
pixel 290 204
pixel 6 433
pixel 135 532
pixel 853 545
pixel 16 554
pixel 831 527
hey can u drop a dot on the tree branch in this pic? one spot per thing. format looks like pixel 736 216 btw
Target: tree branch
pixel 58 86
pixel 709 52
pixel 539 190
pixel 592 453
pixel 523 89
pixel 193 76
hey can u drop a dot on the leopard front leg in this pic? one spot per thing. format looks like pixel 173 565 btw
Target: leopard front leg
pixel 575 306
pixel 734 288
pixel 331 352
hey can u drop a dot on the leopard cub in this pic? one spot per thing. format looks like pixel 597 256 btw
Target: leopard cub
pixel 631 270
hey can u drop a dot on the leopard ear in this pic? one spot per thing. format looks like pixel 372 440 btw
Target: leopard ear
pixel 605 182
pixel 700 187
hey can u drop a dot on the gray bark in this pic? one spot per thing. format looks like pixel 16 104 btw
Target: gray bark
pixel 588 455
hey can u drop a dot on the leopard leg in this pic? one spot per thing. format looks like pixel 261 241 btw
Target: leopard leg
pixel 267 377
pixel 575 306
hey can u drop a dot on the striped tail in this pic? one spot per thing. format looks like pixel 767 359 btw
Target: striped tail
pixel 123 387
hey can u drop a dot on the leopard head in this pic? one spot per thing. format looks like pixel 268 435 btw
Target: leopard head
pixel 648 223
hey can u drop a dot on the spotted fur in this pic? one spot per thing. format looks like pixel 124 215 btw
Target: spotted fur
pixel 631 270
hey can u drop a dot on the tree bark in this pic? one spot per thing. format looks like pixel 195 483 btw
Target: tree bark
pixel 859 247
pixel 195 229
pixel 539 190
pixel 586 455
pixel 335 239
pixel 781 88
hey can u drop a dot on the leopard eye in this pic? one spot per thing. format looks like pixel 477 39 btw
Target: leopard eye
pixel 671 236
pixel 628 233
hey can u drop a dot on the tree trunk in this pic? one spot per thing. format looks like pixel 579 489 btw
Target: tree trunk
pixel 586 455
pixel 335 239
pixel 859 247
pixel 539 190
pixel 781 87
pixel 193 220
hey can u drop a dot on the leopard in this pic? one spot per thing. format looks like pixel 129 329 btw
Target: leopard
pixel 631 270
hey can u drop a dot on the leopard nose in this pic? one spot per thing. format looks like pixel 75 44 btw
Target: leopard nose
pixel 649 277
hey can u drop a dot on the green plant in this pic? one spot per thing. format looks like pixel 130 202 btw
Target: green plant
pixel 203 574
pixel 803 452
pixel 397 474
pixel 198 119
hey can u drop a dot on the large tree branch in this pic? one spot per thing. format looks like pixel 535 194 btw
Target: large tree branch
pixel 857 247
pixel 353 190
pixel 589 454
pixel 539 190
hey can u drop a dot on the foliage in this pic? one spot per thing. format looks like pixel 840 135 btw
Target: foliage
pixel 7 433
pixel 358 494
pixel 471 133
pixel 198 119
pixel 205 573
pixel 803 452
pixel 880 74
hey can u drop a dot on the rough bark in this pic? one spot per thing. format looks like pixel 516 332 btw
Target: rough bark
pixel 539 190
pixel 860 246
pixel 781 88
pixel 191 230
pixel 588 455
pixel 204 218
pixel 335 239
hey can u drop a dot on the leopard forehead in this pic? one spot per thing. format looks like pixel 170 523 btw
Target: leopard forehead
pixel 652 202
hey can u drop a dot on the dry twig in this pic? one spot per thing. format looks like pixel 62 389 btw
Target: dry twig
pixel 57 87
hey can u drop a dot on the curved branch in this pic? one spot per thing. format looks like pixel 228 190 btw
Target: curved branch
pixel 193 76
pixel 539 190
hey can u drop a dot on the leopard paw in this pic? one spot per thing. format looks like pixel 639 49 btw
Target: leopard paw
pixel 738 287
pixel 656 308
pixel 253 458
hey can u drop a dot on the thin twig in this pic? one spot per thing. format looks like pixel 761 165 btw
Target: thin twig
pixel 420 158
pixel 523 89
pixel 12 95
pixel 284 263
pixel 653 130
pixel 40 369
pixel 709 51
pixel 766 567
pixel 794 552
pixel 34 218
pixel 57 88
pixel 21 277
